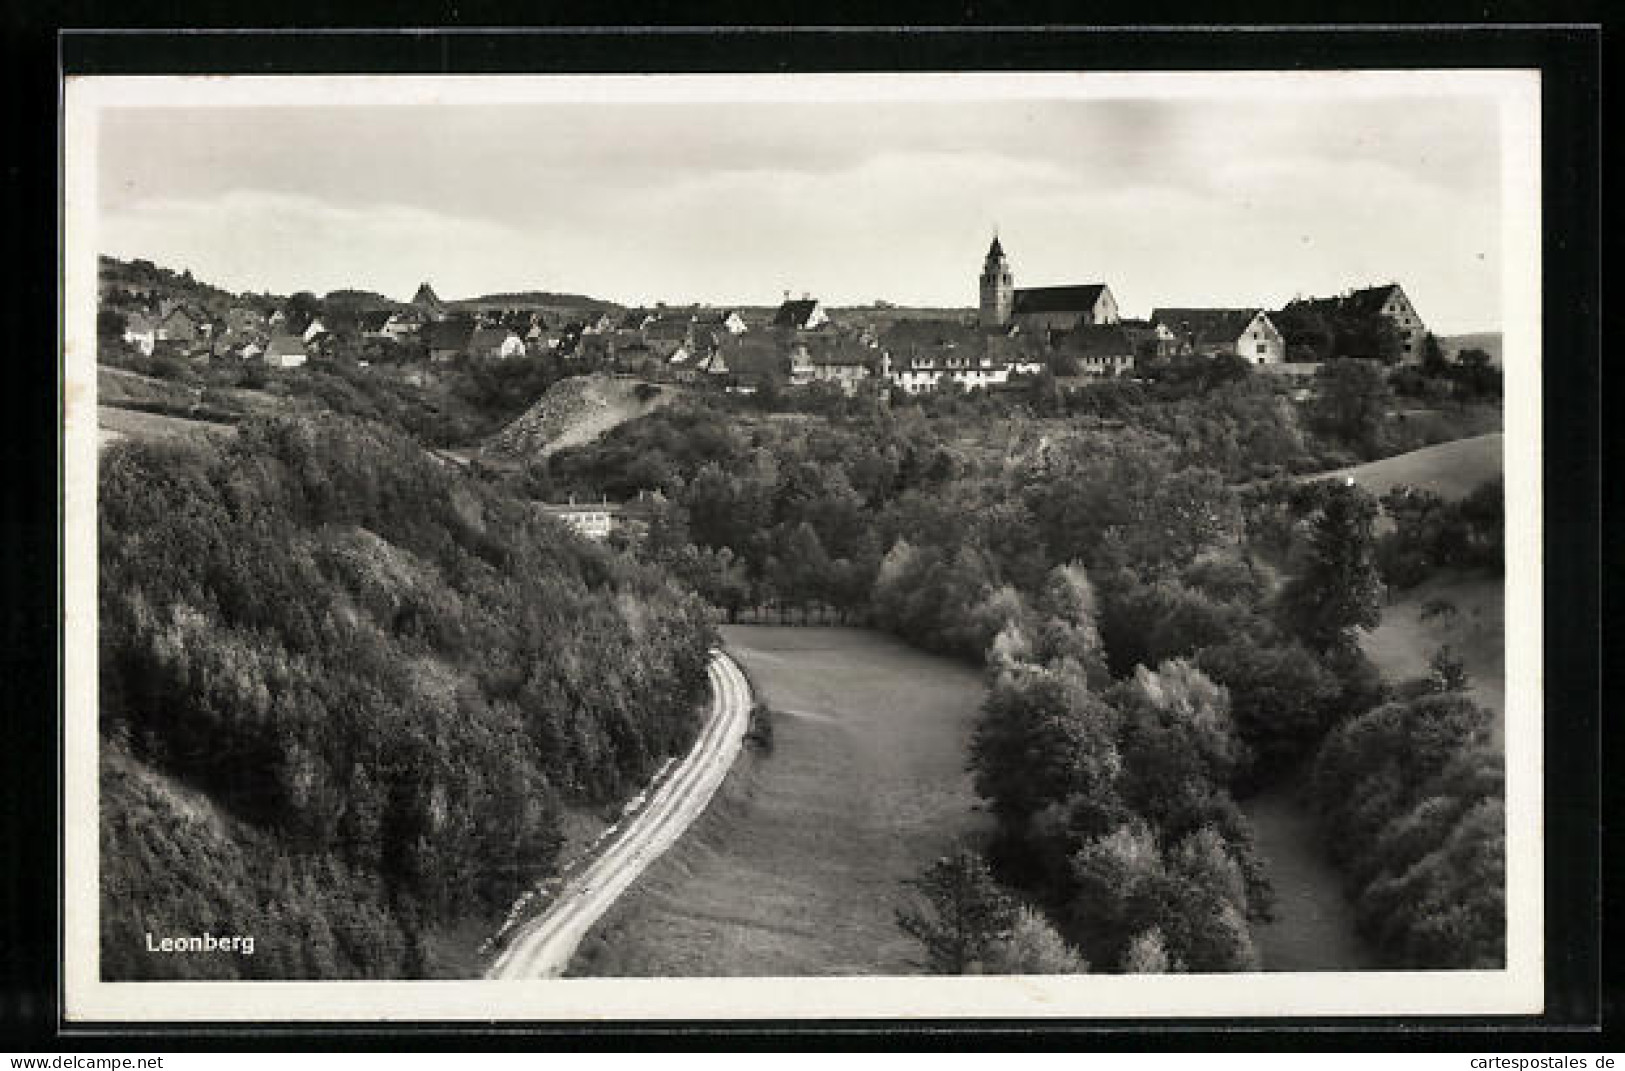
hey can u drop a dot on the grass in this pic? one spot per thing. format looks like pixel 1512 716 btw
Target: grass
pixel 1474 629
pixel 1313 928
pixel 114 424
pixel 1449 470
pixel 796 866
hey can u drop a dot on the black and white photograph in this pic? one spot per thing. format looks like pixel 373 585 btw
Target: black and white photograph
pixel 1021 544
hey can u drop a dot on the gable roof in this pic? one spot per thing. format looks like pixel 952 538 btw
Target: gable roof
pixel 374 321
pixel 448 334
pixel 1200 326
pixel 795 313
pixel 1371 299
pixel 1095 340
pixel 1058 298
pixel 285 346
pixel 753 356
pixel 489 338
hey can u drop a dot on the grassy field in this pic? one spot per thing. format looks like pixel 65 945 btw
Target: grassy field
pixel 1475 630
pixel 795 868
pixel 1449 470
pixel 113 424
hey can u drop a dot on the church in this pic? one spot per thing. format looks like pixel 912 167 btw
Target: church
pixel 1041 310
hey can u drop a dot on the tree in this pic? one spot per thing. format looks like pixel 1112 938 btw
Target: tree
pixel 964 916
pixel 1434 364
pixel 1352 401
pixel 1336 587
pixel 1034 947
pixel 1147 954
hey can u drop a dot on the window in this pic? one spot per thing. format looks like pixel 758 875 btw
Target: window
pixel 1263 347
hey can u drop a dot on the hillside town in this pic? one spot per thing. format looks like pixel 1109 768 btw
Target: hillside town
pixel 1074 332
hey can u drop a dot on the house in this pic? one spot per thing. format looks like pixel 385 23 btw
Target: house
pixel 591 521
pixel 1391 303
pixel 314 330
pixel 1347 319
pixel 1246 333
pixel 141 331
pixel 747 363
pixel 403 324
pixel 285 351
pixel 180 327
pixel 1038 310
pixel 375 324
pixel 728 320
pixel 1097 349
pixel 238 343
pixel 495 342
pixel 597 323
pixel 447 340
pixel 806 314
pixel 830 361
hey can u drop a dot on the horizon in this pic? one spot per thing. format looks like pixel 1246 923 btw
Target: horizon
pixel 1172 202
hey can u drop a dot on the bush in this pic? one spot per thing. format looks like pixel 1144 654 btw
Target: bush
pixel 759 733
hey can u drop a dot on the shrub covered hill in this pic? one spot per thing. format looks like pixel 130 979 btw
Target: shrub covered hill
pixel 346 693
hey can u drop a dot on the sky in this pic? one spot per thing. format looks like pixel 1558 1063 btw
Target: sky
pixel 1185 202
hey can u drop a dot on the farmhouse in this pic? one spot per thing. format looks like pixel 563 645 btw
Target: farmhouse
pixel 1038 310
pixel 1246 333
pixel 1391 304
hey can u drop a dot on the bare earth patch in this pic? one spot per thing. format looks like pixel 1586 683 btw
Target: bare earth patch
pixel 796 867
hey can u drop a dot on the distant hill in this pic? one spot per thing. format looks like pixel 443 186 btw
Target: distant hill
pixel 360 301
pixel 535 299
pixel 1488 341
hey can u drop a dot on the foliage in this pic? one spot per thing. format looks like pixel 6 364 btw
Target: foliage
pixel 1351 403
pixel 374 662
pixel 1335 587
pixel 961 915
pixel 1411 794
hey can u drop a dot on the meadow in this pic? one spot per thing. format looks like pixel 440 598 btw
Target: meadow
pixel 797 866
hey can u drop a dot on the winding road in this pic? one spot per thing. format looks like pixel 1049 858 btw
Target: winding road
pixel 542 947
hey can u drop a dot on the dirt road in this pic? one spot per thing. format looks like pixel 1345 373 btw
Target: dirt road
pixel 543 946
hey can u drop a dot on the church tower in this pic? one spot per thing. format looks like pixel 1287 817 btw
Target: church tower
pixel 998 287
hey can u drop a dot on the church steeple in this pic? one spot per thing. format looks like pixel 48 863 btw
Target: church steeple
pixel 998 287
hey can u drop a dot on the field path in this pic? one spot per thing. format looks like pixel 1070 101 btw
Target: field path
pixel 797 867
pixel 543 946
pixel 1313 929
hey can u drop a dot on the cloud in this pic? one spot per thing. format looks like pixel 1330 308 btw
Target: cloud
pixel 264 239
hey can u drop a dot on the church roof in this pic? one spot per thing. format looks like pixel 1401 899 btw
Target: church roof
pixel 1058 298
pixel 995 250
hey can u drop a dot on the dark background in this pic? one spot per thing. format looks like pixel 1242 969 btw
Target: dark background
pixel 1564 41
